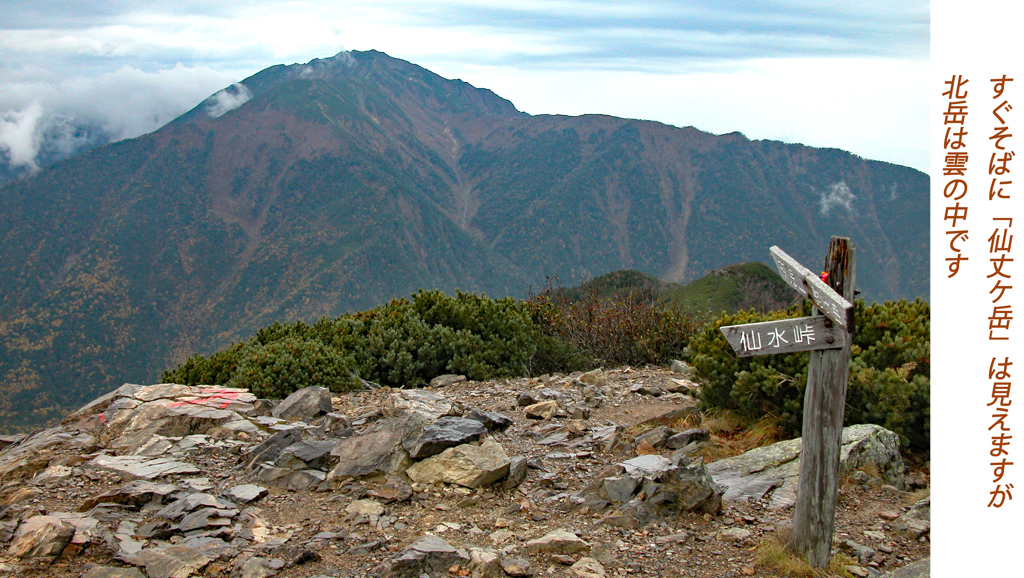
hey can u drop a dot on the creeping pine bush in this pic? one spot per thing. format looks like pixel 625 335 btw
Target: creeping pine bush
pixel 404 343
pixel 889 372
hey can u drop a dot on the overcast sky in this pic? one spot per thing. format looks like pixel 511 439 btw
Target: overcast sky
pixel 849 75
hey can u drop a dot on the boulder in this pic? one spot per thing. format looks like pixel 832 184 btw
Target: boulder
pixel 467 465
pixel 429 555
pixel 305 454
pixel 245 493
pixel 423 404
pixel 269 449
pixel 446 432
pixel 492 420
pixel 919 569
pixel 752 475
pixel 542 410
pixel 557 542
pixel 136 494
pixel 41 537
pixel 688 438
pixel 446 380
pixel 377 449
pixel 635 492
pixel 304 404
pixel 170 562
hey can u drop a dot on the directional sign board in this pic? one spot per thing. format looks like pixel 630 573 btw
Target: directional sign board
pixel 812 287
pixel 784 336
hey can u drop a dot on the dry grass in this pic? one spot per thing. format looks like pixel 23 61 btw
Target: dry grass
pixel 729 437
pixel 918 495
pixel 776 558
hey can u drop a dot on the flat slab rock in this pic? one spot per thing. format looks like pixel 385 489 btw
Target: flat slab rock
pixel 752 475
pixel 170 562
pixel 142 467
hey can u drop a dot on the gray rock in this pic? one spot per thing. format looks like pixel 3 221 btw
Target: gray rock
pixel 524 399
pixel 429 555
pixel 919 569
pixel 314 454
pixel 141 467
pixel 298 480
pixel 916 522
pixel 206 517
pixel 334 423
pixel 516 566
pixel 245 493
pixel 681 368
pixel 257 567
pixel 269 449
pixel 686 438
pixel 137 493
pixel 655 436
pixel 394 490
pixel 636 491
pixel 422 405
pixel 492 420
pixel 754 474
pixel 447 380
pixel 446 432
pixel 172 562
pixel 467 465
pixel 192 502
pixel 304 404
pixel 41 537
pixel 557 542
pixel 112 572
pixel 517 470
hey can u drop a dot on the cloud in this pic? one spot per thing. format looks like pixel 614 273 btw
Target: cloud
pixel 837 195
pixel 227 100
pixel 46 121
pixel 19 136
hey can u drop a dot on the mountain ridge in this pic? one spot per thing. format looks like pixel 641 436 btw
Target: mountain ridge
pixel 328 194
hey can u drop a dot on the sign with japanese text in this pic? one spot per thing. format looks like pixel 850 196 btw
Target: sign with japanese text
pixel 784 336
pixel 800 278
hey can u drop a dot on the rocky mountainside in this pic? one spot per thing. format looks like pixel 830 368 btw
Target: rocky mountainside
pixel 582 475
pixel 311 190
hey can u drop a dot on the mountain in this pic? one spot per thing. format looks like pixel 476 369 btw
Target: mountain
pixel 736 287
pixel 311 190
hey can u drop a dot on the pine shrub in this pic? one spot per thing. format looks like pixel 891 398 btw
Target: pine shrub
pixel 889 372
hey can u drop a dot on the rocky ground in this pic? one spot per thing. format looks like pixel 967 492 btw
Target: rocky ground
pixel 580 475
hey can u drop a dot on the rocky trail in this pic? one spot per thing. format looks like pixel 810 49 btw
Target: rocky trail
pixel 583 475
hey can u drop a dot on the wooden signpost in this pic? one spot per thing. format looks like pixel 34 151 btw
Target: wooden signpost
pixel 827 335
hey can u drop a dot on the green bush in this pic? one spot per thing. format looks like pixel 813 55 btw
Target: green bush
pixel 889 372
pixel 404 343
pixel 198 370
pixel 288 364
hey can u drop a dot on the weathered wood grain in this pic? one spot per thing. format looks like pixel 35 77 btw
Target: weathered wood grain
pixel 824 403
pixel 784 336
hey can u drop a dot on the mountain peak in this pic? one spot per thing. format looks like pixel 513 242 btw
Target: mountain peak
pixel 356 74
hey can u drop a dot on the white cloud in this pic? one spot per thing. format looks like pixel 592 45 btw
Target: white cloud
pixel 228 99
pixel 59 118
pixel 19 135
pixel 837 195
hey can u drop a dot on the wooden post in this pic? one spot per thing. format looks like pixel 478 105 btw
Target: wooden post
pixel 824 401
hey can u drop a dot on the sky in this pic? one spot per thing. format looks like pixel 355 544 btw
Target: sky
pixel 848 75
